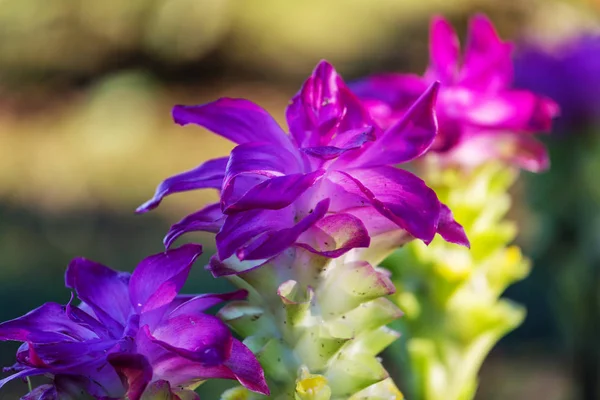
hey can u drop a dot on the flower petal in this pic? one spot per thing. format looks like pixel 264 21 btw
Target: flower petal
pixel 488 63
pixel 104 290
pixel 515 110
pixel 444 49
pixel 323 106
pixel 398 195
pixel 272 194
pixel 261 234
pixel 203 302
pixel 247 369
pixel 451 230
pixel 43 392
pixel 408 138
pixel 134 370
pixel 197 337
pixel 158 278
pixel 24 373
pixel 48 323
pixel 208 219
pixel 238 120
pixel 341 143
pixel 521 150
pixel 207 175
pixel 335 235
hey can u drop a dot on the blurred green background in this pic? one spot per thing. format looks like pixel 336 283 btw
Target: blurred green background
pixel 86 89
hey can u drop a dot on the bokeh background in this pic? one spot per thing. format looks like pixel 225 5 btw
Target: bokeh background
pixel 86 89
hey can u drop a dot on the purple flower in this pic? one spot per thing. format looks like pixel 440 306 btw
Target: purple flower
pixel 328 187
pixel 568 74
pixel 130 333
pixel 480 116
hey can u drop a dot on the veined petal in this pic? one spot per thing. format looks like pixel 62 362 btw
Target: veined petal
pixel 180 371
pixel 197 337
pixel 158 278
pixel 272 194
pixel 408 138
pixel 513 110
pixel 135 370
pixel 264 234
pixel 444 49
pixel 324 106
pixel 335 235
pixel 208 219
pixel 487 63
pixel 398 195
pixel 207 175
pixel 246 368
pixel 238 120
pixel 341 143
pixel 48 323
pixel 106 291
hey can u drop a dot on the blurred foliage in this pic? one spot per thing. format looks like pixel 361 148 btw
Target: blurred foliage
pixel 86 90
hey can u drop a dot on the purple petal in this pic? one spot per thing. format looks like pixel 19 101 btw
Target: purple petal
pixel 323 106
pixel 207 175
pixel 444 49
pixel 341 143
pixel 208 219
pixel 408 138
pixel 513 110
pixel 104 290
pixel 203 302
pixel 48 323
pixel 451 230
pixel 158 278
pixel 273 194
pixel 197 337
pixel 488 63
pixel 238 120
pixel 180 371
pixel 133 369
pixel 335 235
pixel 258 234
pixel 247 369
pixel 43 392
pixel 398 195
pixel 24 373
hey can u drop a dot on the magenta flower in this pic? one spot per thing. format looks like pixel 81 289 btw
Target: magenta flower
pixel 131 333
pixel 328 187
pixel 480 116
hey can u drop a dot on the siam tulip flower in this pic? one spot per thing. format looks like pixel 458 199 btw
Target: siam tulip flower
pixel 568 74
pixel 480 116
pixel 328 187
pixel 132 335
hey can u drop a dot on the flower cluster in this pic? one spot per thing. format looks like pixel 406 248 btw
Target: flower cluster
pixel 480 116
pixel 328 187
pixel 317 209
pixel 130 335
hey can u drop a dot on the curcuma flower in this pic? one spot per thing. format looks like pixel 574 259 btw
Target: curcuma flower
pixel 328 187
pixel 131 337
pixel 480 116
